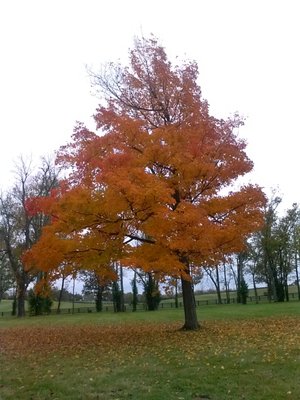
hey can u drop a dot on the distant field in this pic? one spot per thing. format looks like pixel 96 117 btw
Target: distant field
pixel 241 352
pixel 6 305
pixel 232 294
pixel 260 292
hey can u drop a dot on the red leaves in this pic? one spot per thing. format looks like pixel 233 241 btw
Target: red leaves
pixel 36 205
pixel 32 206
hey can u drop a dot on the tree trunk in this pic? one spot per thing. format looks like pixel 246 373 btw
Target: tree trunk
pixel 218 287
pixel 60 294
pixel 226 285
pixel 286 287
pixel 273 290
pixel 99 298
pixel 116 294
pixel 239 280
pixel 255 288
pixel 21 291
pixel 73 296
pixel 297 276
pixel 122 289
pixel 234 276
pixel 176 293
pixel 189 304
pixel 134 292
pixel 279 291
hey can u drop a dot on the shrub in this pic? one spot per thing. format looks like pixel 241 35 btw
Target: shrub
pixel 38 304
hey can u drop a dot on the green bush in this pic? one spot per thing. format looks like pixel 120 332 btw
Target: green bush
pixel 242 292
pixel 37 304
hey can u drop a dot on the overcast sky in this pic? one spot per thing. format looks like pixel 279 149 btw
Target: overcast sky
pixel 247 52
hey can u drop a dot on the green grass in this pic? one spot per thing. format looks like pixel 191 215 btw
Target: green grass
pixel 205 313
pixel 6 305
pixel 241 352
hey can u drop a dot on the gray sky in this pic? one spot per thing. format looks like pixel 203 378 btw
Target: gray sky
pixel 247 52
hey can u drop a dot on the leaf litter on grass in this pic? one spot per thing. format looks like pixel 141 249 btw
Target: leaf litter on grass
pixel 269 335
pixel 161 354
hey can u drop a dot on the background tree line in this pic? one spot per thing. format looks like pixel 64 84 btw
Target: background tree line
pixel 271 260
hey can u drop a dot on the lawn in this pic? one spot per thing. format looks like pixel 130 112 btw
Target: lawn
pixel 241 352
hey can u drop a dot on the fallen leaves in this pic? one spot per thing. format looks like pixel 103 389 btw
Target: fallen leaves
pixel 272 338
pixel 256 358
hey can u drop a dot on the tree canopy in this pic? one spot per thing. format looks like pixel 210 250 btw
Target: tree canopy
pixel 152 187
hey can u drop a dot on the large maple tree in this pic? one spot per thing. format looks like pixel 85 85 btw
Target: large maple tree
pixel 152 186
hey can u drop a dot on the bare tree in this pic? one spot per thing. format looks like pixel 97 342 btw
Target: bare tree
pixel 18 228
pixel 6 278
pixel 214 275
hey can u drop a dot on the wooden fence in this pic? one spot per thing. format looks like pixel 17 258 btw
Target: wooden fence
pixel 163 305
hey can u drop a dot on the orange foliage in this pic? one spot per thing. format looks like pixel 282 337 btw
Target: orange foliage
pixel 149 190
